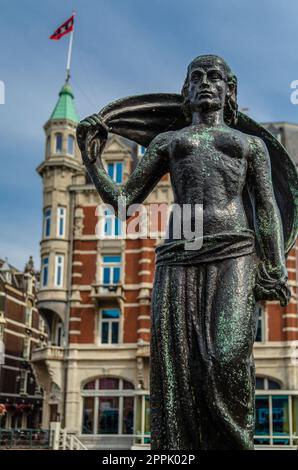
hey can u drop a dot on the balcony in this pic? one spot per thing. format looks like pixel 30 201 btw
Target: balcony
pixel 47 353
pixel 48 362
pixel 108 292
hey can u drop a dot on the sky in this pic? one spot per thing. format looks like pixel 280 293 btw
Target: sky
pixel 121 48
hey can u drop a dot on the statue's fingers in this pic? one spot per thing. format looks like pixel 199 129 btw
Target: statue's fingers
pixel 260 292
pixel 92 121
pixel 97 119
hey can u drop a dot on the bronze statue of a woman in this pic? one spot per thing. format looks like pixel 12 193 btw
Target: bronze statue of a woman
pixel 203 303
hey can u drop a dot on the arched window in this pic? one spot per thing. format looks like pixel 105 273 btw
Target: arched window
pixel 70 144
pixel 59 140
pixel 108 406
pixel 262 383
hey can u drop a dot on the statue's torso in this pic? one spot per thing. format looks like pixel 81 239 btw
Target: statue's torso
pixel 208 166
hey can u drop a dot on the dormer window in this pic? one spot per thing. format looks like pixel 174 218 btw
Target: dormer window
pixel 70 145
pixel 59 139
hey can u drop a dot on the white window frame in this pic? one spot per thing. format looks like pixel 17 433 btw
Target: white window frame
pixel 112 265
pixel 44 266
pixel 110 217
pixel 56 139
pixel 114 175
pixel 70 136
pixel 271 437
pixel 57 266
pixel 61 216
pixel 109 321
pixel 120 393
pixel 47 218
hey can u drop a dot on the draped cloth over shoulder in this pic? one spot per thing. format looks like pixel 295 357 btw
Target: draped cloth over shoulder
pixel 203 321
pixel 141 118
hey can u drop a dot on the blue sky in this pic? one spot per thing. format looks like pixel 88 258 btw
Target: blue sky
pixel 124 47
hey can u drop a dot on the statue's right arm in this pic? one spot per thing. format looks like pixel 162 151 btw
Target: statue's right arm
pixel 149 170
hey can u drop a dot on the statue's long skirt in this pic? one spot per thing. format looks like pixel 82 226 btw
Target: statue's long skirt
pixel 202 371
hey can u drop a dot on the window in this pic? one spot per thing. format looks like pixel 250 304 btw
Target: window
pixel 262 383
pixel 115 171
pixel 276 419
pixel 59 140
pixel 59 267
pixel 70 144
pixel 47 223
pixel 142 430
pixel 58 334
pixel 111 270
pixel 112 225
pixel 61 212
pixel 141 150
pixel 44 271
pixel 108 406
pixel 48 147
pixel 261 327
pixel 109 326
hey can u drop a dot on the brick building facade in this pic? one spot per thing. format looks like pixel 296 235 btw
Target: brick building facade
pixel 95 297
pixel 22 329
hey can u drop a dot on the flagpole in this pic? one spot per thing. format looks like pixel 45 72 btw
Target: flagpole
pixel 69 53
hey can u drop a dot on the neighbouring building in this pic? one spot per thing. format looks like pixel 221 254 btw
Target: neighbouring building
pixel 21 330
pixel 95 298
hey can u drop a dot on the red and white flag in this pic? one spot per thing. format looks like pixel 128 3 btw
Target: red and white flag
pixel 64 29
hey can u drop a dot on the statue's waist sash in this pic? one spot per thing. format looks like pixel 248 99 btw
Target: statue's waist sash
pixel 206 249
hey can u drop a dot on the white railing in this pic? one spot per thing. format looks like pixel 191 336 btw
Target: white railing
pixel 62 440
pixel 70 441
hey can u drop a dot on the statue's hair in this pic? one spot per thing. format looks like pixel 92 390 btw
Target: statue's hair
pixel 231 107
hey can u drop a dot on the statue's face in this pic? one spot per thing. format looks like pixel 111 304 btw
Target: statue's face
pixel 207 85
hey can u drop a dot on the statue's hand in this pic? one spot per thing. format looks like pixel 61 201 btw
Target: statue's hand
pixel 92 134
pixel 271 284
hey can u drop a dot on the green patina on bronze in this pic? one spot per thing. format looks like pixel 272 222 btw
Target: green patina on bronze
pixel 203 300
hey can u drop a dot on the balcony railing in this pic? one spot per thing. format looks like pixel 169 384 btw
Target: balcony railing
pixel 47 353
pixel 108 291
pixel 24 439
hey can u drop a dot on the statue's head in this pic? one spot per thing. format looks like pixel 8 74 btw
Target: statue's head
pixel 210 85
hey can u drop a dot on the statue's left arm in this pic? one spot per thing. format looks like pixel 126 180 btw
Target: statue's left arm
pixel 271 283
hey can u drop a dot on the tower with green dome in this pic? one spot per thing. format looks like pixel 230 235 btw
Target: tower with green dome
pixel 65 107
pixel 60 169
